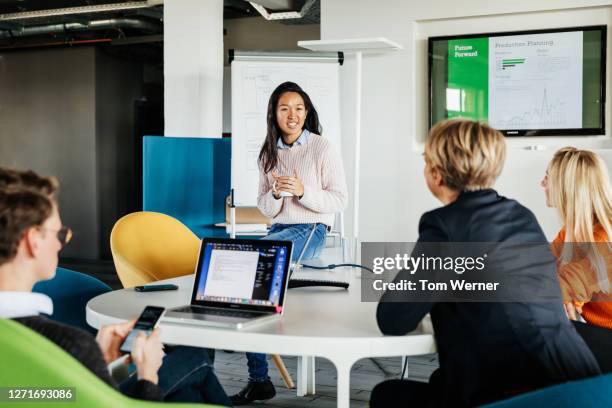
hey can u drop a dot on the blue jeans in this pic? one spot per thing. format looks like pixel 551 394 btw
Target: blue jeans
pixel 187 375
pixel 298 233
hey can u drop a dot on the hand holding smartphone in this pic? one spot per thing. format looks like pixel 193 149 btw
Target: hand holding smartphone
pixel 145 324
pixel 148 354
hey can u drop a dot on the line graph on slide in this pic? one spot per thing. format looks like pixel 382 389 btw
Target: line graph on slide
pixel 545 113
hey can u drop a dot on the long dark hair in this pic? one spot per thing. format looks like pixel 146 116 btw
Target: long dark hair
pixel 268 156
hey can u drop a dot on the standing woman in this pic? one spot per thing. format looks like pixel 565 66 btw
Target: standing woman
pixel 578 187
pixel 301 176
pixel 301 187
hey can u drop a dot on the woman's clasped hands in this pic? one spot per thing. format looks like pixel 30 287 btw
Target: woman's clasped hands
pixel 287 184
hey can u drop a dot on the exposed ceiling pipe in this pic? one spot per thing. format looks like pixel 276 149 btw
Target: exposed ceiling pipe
pixel 143 39
pixel 92 25
pixel 98 8
pixel 58 43
pixel 283 15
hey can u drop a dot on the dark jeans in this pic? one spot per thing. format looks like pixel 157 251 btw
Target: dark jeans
pixel 298 234
pixel 599 340
pixel 187 375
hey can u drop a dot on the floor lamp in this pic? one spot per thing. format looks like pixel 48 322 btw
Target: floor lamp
pixel 356 46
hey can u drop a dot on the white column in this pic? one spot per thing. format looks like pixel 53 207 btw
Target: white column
pixel 193 68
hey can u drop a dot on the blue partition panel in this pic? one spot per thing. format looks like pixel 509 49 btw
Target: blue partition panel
pixel 188 179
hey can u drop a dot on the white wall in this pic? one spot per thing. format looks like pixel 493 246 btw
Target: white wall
pixel 395 101
pixel 257 34
pixel 193 68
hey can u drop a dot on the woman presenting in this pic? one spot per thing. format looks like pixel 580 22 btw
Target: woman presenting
pixel 301 176
pixel 301 187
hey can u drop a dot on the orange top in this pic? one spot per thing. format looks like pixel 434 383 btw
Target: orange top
pixel 580 284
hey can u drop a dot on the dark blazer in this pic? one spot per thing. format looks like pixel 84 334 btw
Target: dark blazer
pixel 489 351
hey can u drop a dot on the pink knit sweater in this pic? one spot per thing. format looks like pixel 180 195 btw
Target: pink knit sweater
pixel 319 165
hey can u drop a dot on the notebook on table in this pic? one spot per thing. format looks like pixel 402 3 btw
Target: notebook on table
pixel 238 283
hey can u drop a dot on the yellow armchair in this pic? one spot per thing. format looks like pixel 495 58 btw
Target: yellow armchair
pixel 150 246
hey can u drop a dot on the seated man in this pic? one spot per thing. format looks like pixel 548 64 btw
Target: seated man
pixel 488 350
pixel 31 235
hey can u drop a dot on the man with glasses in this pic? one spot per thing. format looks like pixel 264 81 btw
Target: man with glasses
pixel 64 234
pixel 31 236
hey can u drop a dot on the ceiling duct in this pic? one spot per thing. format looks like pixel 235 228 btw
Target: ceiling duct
pixel 111 23
pixel 98 8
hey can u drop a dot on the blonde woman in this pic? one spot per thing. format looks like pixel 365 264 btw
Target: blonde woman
pixel 488 350
pixel 577 185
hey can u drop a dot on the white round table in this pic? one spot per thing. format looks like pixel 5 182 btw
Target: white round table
pixel 324 322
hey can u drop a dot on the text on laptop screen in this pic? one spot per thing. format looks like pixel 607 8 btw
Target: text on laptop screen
pixel 242 273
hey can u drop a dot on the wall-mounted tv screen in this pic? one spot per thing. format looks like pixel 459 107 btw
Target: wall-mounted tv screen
pixel 524 83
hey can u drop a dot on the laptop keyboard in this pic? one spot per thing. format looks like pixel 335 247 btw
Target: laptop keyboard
pixel 218 312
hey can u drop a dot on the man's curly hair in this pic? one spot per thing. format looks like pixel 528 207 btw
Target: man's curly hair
pixel 26 200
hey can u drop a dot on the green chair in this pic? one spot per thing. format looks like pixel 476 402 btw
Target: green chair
pixel 30 360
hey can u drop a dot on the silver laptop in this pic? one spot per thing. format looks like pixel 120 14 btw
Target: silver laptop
pixel 238 283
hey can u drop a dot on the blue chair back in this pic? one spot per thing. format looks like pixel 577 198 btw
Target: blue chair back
pixel 70 292
pixel 187 178
pixel 593 392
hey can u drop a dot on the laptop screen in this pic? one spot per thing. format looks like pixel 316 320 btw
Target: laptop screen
pixel 242 273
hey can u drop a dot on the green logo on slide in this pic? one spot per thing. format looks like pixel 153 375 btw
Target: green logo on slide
pixel 467 93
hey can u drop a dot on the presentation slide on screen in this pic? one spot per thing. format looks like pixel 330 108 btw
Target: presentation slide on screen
pixel 231 273
pixel 535 81
pixel 519 82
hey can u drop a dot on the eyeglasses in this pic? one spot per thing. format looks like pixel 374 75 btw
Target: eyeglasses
pixel 64 234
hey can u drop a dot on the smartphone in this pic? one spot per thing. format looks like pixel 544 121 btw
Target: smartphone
pixel 145 323
pixel 155 288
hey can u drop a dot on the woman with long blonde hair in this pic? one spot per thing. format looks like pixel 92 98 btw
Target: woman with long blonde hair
pixel 489 349
pixel 577 185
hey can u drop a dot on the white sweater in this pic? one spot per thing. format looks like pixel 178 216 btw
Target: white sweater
pixel 319 166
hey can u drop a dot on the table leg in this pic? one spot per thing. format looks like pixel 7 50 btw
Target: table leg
pixel 305 376
pixel 343 369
